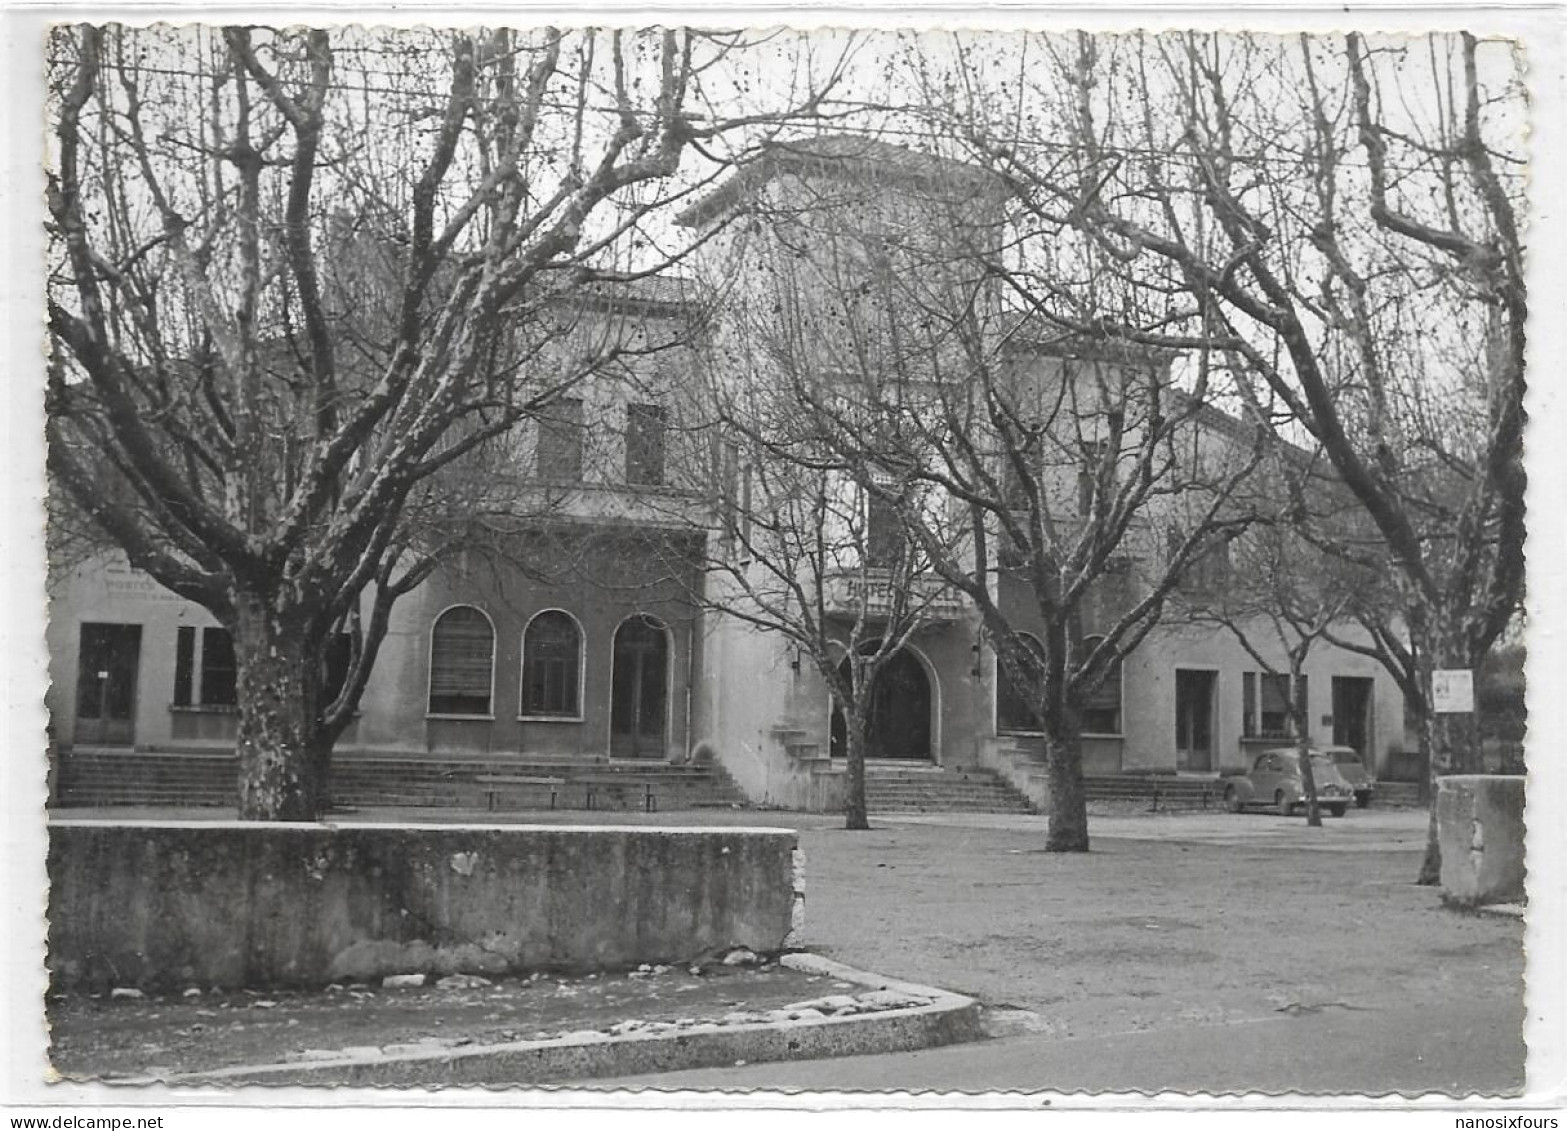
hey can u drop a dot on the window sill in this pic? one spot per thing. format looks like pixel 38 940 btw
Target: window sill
pixel 551 719
pixel 432 715
pixel 204 708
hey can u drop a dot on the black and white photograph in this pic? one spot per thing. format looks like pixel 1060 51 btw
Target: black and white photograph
pixel 676 560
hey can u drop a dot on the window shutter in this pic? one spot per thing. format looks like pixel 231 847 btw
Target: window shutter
pixel 462 653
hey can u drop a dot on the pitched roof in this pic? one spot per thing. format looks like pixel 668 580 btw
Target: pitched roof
pixel 849 156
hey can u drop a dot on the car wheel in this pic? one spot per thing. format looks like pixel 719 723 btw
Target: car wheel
pixel 1282 805
pixel 1232 800
pixel 1337 810
pixel 1363 800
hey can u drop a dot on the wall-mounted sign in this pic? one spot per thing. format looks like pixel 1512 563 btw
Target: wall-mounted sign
pixel 1453 691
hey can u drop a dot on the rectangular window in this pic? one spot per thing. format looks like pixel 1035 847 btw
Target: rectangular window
pixel 1014 489
pixel 645 428
pixel 184 666
pixel 204 668
pixel 218 669
pixel 885 544
pixel 560 441
pixel 1094 452
pixel 1211 572
pixel 1265 700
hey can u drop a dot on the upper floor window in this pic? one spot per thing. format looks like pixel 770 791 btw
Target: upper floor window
pixel 1266 704
pixel 1094 454
pixel 205 671
pixel 885 541
pixel 560 441
pixel 551 661
pixel 1208 571
pixel 646 425
pixel 1020 470
pixel 462 662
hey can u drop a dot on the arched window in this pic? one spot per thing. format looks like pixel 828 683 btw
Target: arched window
pixel 639 689
pixel 1102 710
pixel 462 662
pixel 551 661
pixel 1017 692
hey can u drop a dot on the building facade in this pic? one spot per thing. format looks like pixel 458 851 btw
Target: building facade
pixel 588 632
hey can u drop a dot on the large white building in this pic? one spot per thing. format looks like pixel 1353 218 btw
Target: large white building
pixel 595 641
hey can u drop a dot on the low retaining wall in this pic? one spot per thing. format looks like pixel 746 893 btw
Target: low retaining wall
pixel 182 903
pixel 1480 828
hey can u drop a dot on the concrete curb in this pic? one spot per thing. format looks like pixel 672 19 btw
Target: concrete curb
pixel 948 1019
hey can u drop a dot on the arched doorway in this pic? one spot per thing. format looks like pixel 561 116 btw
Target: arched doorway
pixel 639 689
pixel 898 725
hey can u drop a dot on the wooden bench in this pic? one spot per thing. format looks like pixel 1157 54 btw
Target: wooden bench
pixel 595 782
pixel 493 784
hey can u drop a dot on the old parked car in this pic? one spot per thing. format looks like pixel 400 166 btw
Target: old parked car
pixel 1347 761
pixel 1274 780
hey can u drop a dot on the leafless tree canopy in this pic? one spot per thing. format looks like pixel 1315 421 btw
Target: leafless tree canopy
pixel 298 273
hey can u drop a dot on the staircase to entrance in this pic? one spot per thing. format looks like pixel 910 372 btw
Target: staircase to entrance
pixel 910 787
pixel 206 778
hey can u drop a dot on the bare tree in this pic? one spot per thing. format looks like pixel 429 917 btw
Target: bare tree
pixel 808 553
pixel 1339 218
pixel 297 275
pixel 1021 458
pixel 1282 597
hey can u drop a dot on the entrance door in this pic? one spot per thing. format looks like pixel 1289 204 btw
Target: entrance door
pixel 108 662
pixel 898 725
pixel 639 691
pixel 1194 719
pixel 1352 714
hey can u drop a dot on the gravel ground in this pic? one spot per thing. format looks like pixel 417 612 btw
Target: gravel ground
pixel 102 1036
pixel 1173 920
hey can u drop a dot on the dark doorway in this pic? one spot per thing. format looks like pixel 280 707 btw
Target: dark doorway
pixel 639 692
pixel 1352 714
pixel 108 665
pixel 898 725
pixel 1194 719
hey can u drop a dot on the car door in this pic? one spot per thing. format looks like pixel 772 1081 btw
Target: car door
pixel 1265 777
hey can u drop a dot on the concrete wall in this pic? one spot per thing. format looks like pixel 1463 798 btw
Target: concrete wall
pixel 175 904
pixel 1480 826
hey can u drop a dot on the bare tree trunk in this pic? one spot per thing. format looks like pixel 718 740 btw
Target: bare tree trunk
pixel 1451 741
pixel 854 811
pixel 283 757
pixel 1308 778
pixel 1068 810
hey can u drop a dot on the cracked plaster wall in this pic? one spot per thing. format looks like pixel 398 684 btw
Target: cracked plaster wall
pixel 239 904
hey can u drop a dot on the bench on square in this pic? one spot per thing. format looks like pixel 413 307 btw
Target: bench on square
pixel 596 782
pixel 494 784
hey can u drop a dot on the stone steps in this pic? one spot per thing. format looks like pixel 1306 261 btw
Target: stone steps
pixel 207 778
pixel 933 789
pixel 1170 789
